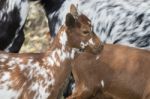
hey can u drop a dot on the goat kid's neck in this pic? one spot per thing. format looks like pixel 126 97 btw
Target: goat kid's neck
pixel 60 49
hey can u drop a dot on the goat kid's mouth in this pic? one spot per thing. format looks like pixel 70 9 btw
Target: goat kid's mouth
pixel 94 50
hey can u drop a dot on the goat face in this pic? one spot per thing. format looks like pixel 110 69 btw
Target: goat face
pixel 80 32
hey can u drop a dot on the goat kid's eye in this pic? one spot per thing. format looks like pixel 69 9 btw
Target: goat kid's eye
pixel 86 32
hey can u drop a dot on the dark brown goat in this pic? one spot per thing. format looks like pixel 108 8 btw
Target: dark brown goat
pixel 119 72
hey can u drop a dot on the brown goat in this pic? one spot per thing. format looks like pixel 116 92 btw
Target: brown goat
pixel 118 72
pixel 44 75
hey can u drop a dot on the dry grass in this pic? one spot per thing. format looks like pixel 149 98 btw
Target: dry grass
pixel 36 30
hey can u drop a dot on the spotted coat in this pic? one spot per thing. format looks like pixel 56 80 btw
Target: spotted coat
pixel 45 75
pixel 35 76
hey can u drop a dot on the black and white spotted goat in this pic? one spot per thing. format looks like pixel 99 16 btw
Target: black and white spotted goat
pixel 115 21
pixel 13 14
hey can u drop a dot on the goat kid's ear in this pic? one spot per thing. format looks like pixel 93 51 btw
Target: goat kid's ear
pixel 73 10
pixel 70 21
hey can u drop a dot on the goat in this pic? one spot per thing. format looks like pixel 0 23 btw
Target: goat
pixel 129 28
pixel 13 14
pixel 123 22
pixel 45 75
pixel 119 72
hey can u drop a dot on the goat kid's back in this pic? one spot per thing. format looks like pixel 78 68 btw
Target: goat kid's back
pixel 119 71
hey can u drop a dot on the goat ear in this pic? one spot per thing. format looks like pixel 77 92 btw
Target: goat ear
pixel 73 10
pixel 70 21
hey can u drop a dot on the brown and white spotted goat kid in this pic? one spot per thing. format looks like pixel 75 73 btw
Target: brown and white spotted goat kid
pixel 44 75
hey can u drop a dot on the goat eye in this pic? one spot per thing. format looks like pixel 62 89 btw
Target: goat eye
pixel 85 32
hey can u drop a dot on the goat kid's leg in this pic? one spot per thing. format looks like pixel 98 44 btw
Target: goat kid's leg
pixel 80 92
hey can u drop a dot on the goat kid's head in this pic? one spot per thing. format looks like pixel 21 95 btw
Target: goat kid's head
pixel 80 33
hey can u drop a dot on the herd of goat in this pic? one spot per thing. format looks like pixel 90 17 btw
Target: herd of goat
pixel 99 50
